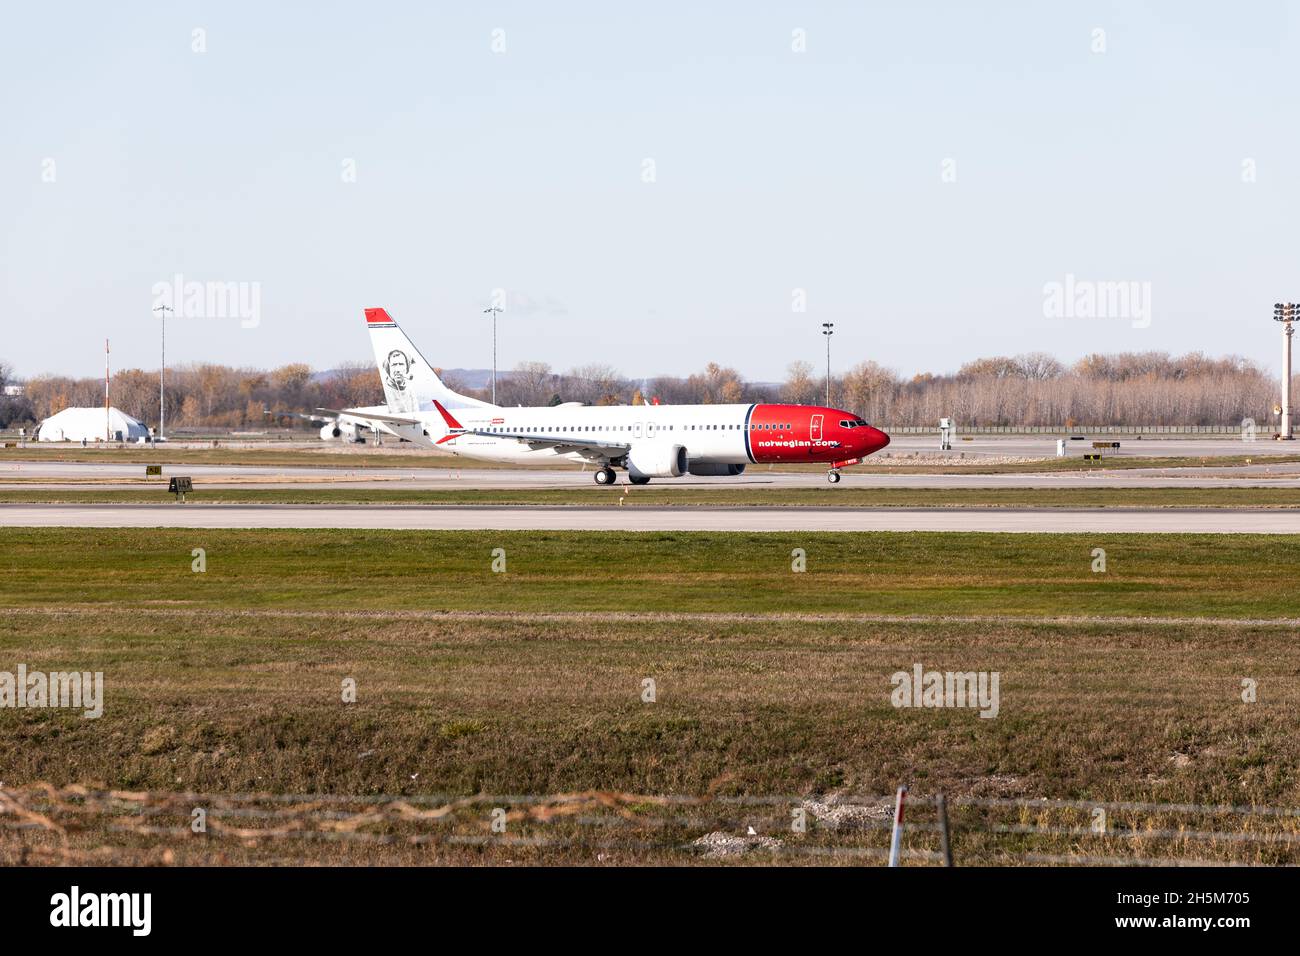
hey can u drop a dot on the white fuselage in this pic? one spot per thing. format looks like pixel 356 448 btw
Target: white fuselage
pixel 712 434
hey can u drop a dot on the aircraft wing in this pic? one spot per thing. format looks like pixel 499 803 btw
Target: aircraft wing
pixel 596 448
pixel 370 416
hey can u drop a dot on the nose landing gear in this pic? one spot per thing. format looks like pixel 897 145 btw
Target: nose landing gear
pixel 833 476
pixel 605 476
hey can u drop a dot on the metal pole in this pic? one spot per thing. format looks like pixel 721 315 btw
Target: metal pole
pixel 945 846
pixel 162 311
pixel 1286 382
pixel 828 370
pixel 494 310
pixel 828 329
pixel 108 419
pixel 896 838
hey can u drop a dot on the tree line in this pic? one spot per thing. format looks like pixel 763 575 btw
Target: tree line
pixel 1128 388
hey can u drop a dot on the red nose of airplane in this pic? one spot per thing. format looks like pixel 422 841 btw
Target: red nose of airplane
pixel 873 440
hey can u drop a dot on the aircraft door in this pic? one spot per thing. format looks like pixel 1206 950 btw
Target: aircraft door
pixel 815 429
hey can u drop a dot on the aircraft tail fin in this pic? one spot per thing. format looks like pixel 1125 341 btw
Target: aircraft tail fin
pixel 410 382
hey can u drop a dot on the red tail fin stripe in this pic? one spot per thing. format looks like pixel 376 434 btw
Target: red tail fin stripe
pixel 377 315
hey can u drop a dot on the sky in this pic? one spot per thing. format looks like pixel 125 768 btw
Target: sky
pixel 649 186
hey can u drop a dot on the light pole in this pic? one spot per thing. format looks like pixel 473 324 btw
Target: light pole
pixel 162 311
pixel 1286 313
pixel 828 329
pixel 495 310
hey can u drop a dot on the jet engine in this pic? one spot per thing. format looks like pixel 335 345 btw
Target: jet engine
pixel 341 431
pixel 656 461
pixel 716 471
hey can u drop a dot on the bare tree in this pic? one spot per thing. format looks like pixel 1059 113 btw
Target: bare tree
pixel 716 385
pixel 998 366
pixel 1038 366
pixel 799 388
pixel 597 385
pixel 868 388
pixel 530 383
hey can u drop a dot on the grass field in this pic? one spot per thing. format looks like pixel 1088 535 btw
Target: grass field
pixel 661 495
pixel 772 694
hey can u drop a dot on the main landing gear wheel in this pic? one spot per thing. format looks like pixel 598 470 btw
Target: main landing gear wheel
pixel 639 479
pixel 833 476
pixel 605 476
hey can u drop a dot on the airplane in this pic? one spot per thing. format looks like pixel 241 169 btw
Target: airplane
pixel 648 441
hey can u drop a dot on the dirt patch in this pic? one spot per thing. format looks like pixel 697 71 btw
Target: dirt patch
pixel 839 815
pixel 719 845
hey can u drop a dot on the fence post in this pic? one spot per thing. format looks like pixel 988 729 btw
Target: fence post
pixel 941 805
pixel 896 838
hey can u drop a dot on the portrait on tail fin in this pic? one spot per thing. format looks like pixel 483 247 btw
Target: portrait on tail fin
pixel 398 370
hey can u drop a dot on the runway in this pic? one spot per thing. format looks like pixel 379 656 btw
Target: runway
pixel 343 467
pixel 1044 446
pixel 638 518
pixel 51 475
